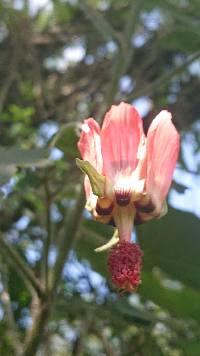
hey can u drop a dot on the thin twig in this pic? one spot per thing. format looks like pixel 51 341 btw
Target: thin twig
pixel 5 298
pixel 69 232
pixel 48 234
pixel 78 346
pixel 22 267
pixel 181 14
pixel 106 344
pixel 162 81
pixel 99 22
pixel 125 53
pixel 36 333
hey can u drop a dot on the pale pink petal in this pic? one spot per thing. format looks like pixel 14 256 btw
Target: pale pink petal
pixel 162 153
pixel 89 146
pixel 89 143
pixel 120 137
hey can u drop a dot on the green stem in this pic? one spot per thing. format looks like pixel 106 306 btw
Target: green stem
pixel 22 268
pixel 69 233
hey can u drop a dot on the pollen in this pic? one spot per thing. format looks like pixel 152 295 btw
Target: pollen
pixel 125 262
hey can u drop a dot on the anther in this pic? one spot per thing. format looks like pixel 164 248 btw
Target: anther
pixel 149 207
pixel 123 197
pixel 104 206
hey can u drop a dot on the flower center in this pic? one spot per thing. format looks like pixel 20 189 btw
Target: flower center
pixel 124 261
pixel 122 189
pixel 123 197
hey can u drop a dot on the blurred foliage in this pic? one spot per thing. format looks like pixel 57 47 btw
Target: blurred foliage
pixel 60 63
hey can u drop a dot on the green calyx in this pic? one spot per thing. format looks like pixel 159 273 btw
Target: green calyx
pixel 97 181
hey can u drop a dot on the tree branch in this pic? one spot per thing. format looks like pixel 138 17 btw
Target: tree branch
pixel 5 298
pixel 125 53
pixel 48 236
pixel 68 235
pixel 99 22
pixel 37 331
pixel 164 79
pixel 107 346
pixel 22 268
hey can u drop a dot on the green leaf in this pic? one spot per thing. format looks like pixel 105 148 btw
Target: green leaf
pixel 180 303
pixel 182 40
pixel 21 157
pixel 13 157
pixel 66 140
pixel 190 347
pixel 173 244
pixel 120 311
pixel 92 235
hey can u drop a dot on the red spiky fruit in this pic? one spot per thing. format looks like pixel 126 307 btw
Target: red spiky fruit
pixel 125 261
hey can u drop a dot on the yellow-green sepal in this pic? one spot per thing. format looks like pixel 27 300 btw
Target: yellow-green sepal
pixel 97 180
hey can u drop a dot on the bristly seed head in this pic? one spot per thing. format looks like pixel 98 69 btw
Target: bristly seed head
pixel 125 261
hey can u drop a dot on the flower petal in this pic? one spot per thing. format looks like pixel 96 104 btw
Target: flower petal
pixel 162 153
pixel 89 146
pixel 120 137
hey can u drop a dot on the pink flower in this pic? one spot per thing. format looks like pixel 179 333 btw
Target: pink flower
pixel 137 171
